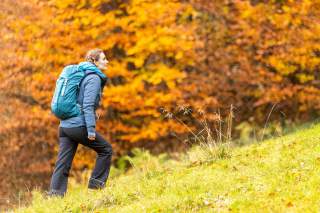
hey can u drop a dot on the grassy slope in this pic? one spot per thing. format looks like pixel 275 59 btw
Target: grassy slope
pixel 281 174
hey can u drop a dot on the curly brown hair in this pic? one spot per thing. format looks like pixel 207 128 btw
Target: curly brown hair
pixel 93 55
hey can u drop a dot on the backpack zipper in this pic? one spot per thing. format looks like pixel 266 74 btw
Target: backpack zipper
pixel 64 86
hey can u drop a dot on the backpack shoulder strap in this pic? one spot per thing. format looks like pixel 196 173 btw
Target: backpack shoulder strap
pixel 85 77
pixel 102 80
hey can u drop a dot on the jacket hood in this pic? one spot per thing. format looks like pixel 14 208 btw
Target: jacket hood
pixel 89 67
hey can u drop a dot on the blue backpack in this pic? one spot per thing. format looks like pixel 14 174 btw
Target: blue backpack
pixel 64 102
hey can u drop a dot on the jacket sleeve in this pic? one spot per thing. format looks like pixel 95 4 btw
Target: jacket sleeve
pixel 91 91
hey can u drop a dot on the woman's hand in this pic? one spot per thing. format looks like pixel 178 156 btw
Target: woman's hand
pixel 91 136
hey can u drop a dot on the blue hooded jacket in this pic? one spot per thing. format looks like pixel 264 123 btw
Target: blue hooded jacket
pixel 89 97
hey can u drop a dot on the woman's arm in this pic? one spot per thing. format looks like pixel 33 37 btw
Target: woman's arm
pixel 91 91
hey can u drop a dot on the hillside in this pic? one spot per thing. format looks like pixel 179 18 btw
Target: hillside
pixel 280 174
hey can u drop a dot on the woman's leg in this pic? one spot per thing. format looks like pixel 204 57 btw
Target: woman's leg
pixel 101 170
pixel 103 148
pixel 67 150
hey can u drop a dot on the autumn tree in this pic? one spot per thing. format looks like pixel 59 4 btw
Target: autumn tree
pixel 259 56
pixel 149 46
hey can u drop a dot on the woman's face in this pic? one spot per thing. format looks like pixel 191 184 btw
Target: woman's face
pixel 102 62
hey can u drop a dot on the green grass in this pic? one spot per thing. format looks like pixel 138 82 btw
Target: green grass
pixel 277 175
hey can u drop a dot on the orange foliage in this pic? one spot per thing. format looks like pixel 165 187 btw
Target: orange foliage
pixel 255 54
pixel 148 45
pixel 205 53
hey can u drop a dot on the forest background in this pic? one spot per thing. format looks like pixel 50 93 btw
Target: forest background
pixel 173 65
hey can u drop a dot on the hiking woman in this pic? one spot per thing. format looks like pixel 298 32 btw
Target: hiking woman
pixel 81 128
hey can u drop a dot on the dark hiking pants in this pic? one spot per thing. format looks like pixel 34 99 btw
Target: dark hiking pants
pixel 69 138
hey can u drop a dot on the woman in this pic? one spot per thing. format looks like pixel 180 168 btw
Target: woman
pixel 81 129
